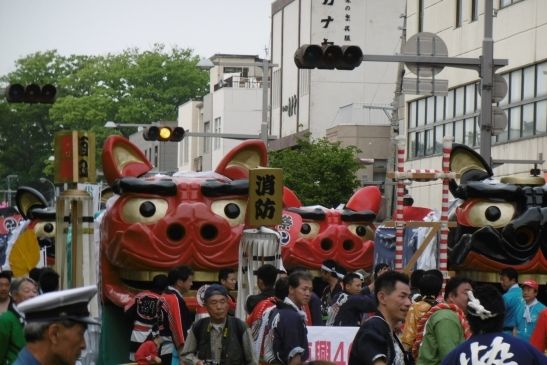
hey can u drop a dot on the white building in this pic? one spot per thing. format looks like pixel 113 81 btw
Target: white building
pixel 308 100
pixel 233 106
pixel 520 30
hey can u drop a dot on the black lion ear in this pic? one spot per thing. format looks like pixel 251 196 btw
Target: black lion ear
pixel 470 165
pixel 28 199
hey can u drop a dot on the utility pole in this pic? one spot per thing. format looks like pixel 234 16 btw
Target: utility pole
pixel 398 103
pixel 265 86
pixel 486 73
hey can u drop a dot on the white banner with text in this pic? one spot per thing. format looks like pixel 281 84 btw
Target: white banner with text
pixel 331 343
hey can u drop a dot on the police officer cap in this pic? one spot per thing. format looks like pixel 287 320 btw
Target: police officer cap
pixel 70 304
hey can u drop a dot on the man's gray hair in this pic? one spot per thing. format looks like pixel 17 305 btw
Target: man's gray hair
pixel 34 331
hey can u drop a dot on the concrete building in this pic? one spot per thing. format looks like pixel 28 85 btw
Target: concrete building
pixel 520 30
pixel 309 100
pixel 371 137
pixel 233 105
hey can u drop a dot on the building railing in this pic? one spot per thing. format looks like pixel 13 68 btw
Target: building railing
pixel 240 82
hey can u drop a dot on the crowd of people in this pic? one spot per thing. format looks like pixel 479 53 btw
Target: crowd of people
pixel 401 321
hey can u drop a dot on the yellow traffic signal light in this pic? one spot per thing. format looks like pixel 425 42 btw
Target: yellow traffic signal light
pixel 163 134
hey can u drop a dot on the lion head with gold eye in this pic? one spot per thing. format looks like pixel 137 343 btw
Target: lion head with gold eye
pixel 499 224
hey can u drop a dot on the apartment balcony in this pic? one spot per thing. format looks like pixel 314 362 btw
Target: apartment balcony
pixel 240 82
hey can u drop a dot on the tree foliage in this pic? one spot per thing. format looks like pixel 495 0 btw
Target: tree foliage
pixel 319 171
pixel 130 87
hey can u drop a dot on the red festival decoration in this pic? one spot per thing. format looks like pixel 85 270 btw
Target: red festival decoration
pixel 311 235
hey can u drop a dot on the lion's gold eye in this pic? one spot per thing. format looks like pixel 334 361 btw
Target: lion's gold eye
pixel 233 210
pixel 487 213
pixel 309 229
pixel 363 231
pixel 147 211
pixel 45 229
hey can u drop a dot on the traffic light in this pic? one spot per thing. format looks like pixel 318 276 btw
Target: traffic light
pixel 328 57
pixel 32 93
pixel 163 134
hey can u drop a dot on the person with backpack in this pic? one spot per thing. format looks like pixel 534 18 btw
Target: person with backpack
pixel 444 326
pixel 429 286
pixel 219 338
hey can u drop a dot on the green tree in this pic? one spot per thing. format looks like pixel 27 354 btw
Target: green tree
pixel 132 87
pixel 319 171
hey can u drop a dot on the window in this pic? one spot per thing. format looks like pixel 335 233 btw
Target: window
pixel 439 111
pixel 528 86
pixel 470 99
pixel 514 123
pixel 379 170
pixel 541 78
pixel 516 86
pixel 460 92
pixel 207 140
pixel 505 3
pixel 459 13
pixel 458 131
pixel 412 115
pixel 412 145
pixel 450 105
pixel 469 137
pixel 420 136
pixel 429 142
pixel 430 116
pixel 421 112
pixel 541 117
pixel 438 139
pixel 216 143
pixel 474 10
pixel 242 71
pixel 528 120
pixel 458 113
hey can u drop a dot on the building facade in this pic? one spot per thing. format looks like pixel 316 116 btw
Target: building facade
pixel 233 106
pixel 309 100
pixel 519 33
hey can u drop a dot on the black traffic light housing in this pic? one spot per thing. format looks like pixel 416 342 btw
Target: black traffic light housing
pixel 163 134
pixel 328 57
pixel 32 93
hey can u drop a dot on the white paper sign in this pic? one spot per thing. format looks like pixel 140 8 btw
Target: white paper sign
pixel 330 343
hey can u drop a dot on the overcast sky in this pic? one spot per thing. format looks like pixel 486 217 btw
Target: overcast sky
pixel 93 27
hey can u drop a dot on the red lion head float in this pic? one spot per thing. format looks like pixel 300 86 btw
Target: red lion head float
pixel 313 234
pixel 159 222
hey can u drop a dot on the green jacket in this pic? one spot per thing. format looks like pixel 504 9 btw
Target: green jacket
pixel 442 333
pixel 12 338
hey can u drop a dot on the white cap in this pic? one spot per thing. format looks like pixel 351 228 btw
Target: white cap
pixel 70 304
